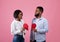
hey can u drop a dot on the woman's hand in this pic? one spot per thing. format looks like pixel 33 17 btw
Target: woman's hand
pixel 23 29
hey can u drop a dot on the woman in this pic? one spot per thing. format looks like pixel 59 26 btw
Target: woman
pixel 17 27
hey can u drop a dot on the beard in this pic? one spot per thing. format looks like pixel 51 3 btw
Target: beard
pixel 36 15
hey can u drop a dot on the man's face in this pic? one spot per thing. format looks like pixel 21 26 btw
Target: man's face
pixel 38 11
pixel 20 15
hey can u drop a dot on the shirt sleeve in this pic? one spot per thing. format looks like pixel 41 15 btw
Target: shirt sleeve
pixel 22 26
pixel 14 30
pixel 24 32
pixel 32 36
pixel 32 33
pixel 45 27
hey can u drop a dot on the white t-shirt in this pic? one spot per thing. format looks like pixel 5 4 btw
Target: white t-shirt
pixel 16 27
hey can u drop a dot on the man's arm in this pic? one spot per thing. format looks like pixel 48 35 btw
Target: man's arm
pixel 31 35
pixel 45 28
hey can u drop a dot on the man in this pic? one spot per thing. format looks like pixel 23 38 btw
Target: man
pixel 17 26
pixel 39 33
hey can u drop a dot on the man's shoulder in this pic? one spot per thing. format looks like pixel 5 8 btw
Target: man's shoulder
pixel 44 19
pixel 34 19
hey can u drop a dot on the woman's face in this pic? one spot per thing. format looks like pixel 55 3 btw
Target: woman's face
pixel 20 15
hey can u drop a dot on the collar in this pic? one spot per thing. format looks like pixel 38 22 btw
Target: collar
pixel 17 21
pixel 40 18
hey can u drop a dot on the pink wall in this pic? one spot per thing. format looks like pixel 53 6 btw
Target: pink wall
pixel 52 13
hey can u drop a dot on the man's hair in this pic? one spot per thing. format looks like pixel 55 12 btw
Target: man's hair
pixel 40 8
pixel 16 13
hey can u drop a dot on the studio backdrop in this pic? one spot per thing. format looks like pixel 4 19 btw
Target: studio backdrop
pixel 51 12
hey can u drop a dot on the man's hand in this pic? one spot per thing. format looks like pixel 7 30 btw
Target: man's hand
pixel 31 41
pixel 35 30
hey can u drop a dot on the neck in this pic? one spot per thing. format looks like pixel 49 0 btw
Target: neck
pixel 18 19
pixel 39 16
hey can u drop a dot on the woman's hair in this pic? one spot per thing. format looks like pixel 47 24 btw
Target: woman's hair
pixel 16 13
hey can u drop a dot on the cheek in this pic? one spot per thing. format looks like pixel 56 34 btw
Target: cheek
pixel 37 12
pixel 21 16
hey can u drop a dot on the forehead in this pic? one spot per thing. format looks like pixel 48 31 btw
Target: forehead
pixel 37 9
pixel 21 13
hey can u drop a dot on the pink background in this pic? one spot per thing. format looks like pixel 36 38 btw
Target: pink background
pixel 51 12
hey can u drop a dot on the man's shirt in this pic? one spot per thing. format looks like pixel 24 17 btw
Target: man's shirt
pixel 41 27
